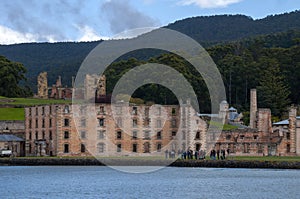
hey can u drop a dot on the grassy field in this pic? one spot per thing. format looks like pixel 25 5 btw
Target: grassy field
pixel 226 127
pixel 30 101
pixel 12 114
pixel 16 110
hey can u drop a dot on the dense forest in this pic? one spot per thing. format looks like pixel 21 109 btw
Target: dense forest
pixel 262 54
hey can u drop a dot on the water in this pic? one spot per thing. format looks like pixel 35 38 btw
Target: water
pixel 104 182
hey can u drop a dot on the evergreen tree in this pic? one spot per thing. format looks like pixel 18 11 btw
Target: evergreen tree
pixel 273 92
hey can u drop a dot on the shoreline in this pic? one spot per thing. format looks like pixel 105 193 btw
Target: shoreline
pixel 148 162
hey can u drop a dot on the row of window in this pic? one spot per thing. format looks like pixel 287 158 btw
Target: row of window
pixel 101 123
pixel 66 109
pixel 119 135
pixel 43 135
pixel 43 125
pixel 101 147
pixel 134 110
pixel 228 137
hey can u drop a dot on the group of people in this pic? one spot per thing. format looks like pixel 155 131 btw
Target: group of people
pixel 219 154
pixel 198 155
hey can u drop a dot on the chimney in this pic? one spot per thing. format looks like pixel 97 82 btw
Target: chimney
pixel 73 81
pixel 292 128
pixel 253 108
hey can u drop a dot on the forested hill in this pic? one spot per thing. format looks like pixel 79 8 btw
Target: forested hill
pixel 64 58
pixel 220 28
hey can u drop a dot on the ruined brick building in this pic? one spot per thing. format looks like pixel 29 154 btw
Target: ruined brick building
pixel 104 128
pixel 262 137
pixel 56 91
pixel 134 129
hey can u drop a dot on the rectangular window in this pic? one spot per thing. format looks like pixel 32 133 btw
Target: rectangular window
pixel 134 148
pixel 36 110
pixel 66 122
pixel 50 110
pixel 159 110
pixel 119 135
pixel 198 136
pixel 158 135
pixel 30 124
pixel 259 148
pixel 83 135
pixel 82 148
pixel 147 135
pixel 134 110
pixel 83 123
pixel 134 123
pixel 119 147
pixel 102 110
pixel 36 123
pixel 158 147
pixel 43 135
pixel 101 135
pixel 66 135
pixel 30 136
pixel 66 148
pixel 173 111
pixel 101 122
pixel 288 148
pixel 36 135
pixel 101 147
pixel 158 124
pixel 134 135
pixel 228 137
pixel 50 122
pixel 43 110
pixel 50 135
pixel 119 122
pixel 147 122
pixel 173 124
pixel 67 109
pixel 173 133
pixel 255 137
pixel 288 135
pixel 29 111
pixel 43 123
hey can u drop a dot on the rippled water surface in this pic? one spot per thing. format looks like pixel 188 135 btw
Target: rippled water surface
pixel 104 182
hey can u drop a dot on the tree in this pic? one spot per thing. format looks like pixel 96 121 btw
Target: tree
pixel 273 92
pixel 11 73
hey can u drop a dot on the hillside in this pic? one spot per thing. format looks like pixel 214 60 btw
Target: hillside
pixel 222 28
pixel 64 58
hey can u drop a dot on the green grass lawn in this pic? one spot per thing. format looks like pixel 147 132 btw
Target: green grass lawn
pixel 12 114
pixel 21 102
pixel 226 127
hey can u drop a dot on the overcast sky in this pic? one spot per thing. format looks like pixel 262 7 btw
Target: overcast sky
pixel 78 20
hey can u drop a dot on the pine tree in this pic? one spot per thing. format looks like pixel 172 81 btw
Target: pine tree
pixel 273 92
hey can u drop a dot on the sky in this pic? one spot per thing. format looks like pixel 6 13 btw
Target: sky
pixel 77 20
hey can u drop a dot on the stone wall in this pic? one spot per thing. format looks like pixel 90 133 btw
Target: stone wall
pixel 42 84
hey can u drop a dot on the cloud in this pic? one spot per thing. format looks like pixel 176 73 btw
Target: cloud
pixel 209 3
pixel 9 36
pixel 89 34
pixel 43 21
pixel 122 16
